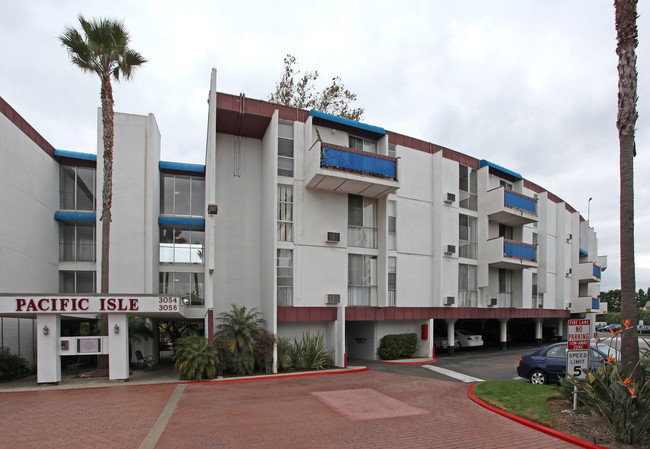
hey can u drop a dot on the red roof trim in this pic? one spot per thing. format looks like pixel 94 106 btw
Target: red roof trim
pixel 27 129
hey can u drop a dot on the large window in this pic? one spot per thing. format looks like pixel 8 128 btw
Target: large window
pixel 181 244
pixel 362 222
pixel 285 277
pixel 77 241
pixel 285 213
pixel 186 285
pixel 505 287
pixel 77 282
pixel 77 188
pixel 285 149
pixel 467 184
pixel 182 195
pixel 362 280
pixel 505 231
pixel 359 143
pixel 392 224
pixel 467 245
pixel 392 281
pixel 467 286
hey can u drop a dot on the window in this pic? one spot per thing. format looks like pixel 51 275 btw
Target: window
pixel 362 222
pixel 392 150
pixel 467 245
pixel 392 281
pixel 583 289
pixel 535 299
pixel 77 282
pixel 392 224
pixel 181 244
pixel 77 188
pixel 467 184
pixel 505 184
pixel 77 241
pixel 285 277
pixel 467 286
pixel 534 238
pixel 182 195
pixel 285 213
pixel 362 280
pixel 557 352
pixel 505 280
pixel 506 231
pixel 359 143
pixel 285 149
pixel 186 285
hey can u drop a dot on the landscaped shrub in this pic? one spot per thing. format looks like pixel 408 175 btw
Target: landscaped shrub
pixel 263 350
pixel 283 348
pixel 242 363
pixel 309 353
pixel 12 366
pixel 195 359
pixel 397 346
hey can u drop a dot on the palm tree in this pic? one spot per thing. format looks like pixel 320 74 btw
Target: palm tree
pixel 239 327
pixel 627 38
pixel 103 50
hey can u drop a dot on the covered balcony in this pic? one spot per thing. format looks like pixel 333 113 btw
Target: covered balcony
pixel 585 304
pixel 510 254
pixel 346 170
pixel 509 207
pixel 587 272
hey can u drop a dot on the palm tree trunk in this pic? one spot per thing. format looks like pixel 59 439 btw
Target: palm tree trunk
pixel 627 97
pixel 107 194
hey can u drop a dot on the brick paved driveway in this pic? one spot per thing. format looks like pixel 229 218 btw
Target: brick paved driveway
pixel 278 413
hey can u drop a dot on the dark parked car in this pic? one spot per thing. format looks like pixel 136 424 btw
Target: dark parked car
pixel 549 363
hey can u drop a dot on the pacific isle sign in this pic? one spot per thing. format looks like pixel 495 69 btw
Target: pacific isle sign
pixel 93 304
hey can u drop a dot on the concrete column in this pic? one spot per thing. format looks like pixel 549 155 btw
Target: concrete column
pixel 118 346
pixel 340 357
pixel 450 335
pixel 431 353
pixel 48 362
pixel 503 335
pixel 560 329
pixel 538 331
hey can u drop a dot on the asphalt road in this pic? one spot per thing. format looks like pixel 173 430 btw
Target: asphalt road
pixel 478 363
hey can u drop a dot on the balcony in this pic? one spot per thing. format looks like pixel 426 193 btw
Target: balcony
pixel 510 254
pixel 509 207
pixel 587 272
pixel 585 304
pixel 346 170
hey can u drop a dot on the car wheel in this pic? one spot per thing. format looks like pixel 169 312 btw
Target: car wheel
pixel 538 377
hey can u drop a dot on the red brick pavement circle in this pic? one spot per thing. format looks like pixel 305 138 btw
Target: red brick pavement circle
pixel 277 413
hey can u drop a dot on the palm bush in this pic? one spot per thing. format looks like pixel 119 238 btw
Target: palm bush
pixel 283 348
pixel 195 359
pixel 309 353
pixel 239 327
pixel 241 363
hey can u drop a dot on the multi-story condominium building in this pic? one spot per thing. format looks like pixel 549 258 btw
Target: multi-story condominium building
pixel 321 223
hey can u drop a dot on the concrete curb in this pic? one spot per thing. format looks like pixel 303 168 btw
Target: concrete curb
pixel 533 425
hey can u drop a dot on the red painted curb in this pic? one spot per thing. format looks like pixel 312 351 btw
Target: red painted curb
pixel 533 425
pixel 408 363
pixel 211 381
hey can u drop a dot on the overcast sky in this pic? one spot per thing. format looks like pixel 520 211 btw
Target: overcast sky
pixel 528 85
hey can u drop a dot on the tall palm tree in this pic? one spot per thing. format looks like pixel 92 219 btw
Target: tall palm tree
pixel 103 50
pixel 627 39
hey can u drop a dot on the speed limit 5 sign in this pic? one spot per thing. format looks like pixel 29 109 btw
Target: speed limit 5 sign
pixel 577 362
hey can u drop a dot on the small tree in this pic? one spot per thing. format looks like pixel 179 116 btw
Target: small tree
pixel 239 327
pixel 300 92
pixel 195 359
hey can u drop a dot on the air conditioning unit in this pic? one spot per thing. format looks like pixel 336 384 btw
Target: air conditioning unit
pixel 540 306
pixel 450 197
pixel 449 300
pixel 333 298
pixel 333 237
pixel 493 302
pixel 450 249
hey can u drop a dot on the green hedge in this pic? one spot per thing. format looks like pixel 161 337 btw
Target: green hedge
pixel 399 346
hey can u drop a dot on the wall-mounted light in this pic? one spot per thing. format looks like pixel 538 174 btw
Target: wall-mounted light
pixel 46 330
pixel 213 209
pixel 116 329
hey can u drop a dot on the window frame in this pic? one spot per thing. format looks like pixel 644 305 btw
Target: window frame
pixel 285 207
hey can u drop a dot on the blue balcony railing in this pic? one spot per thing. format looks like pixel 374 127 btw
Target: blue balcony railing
pixel 596 271
pixel 520 250
pixel 595 303
pixel 355 161
pixel 519 201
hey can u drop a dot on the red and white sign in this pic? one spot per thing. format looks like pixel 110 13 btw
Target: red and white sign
pixel 91 304
pixel 578 337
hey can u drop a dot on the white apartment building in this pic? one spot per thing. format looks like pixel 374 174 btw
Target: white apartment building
pixel 321 223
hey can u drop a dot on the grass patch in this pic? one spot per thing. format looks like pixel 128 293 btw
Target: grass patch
pixel 521 399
